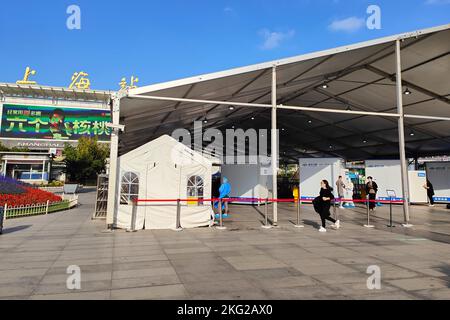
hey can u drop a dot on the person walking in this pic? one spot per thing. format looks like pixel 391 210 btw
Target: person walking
pixel 430 192
pixel 322 205
pixel 341 191
pixel 371 190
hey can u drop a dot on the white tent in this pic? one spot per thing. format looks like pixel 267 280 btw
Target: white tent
pixel 164 169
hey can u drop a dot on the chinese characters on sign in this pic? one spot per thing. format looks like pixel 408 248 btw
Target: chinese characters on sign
pixel 26 77
pixel 80 81
pixel 67 124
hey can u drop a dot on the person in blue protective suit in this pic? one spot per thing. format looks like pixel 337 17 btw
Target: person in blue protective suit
pixel 224 190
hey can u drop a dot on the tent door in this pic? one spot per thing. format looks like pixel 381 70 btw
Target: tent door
pixel 162 182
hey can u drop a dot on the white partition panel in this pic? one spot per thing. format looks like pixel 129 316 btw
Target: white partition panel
pixel 439 175
pixel 314 170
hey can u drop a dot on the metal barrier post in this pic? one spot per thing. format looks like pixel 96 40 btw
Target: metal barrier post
pixel 2 223
pixel 266 214
pixel 46 207
pixel 368 225
pixel 298 225
pixel 390 214
pixel 178 223
pixel 5 211
pixel 134 204
pixel 221 227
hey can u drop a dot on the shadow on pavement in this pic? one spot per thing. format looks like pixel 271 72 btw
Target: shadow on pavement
pixel 15 229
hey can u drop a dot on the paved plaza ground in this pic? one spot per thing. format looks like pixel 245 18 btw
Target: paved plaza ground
pixel 242 262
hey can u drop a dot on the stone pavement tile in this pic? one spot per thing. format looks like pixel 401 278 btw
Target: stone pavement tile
pixel 152 281
pixel 255 294
pixel 168 292
pixel 38 253
pixel 285 282
pixel 302 293
pixel 61 277
pixel 391 296
pixel 389 271
pixel 289 254
pixel 360 289
pixel 235 253
pixel 88 268
pixel 342 278
pixel 418 264
pixel 15 290
pixel 187 256
pixel 137 273
pixel 424 283
pixel 210 286
pixel 434 272
pixel 211 275
pixel 83 254
pixel 333 252
pixel 323 269
pixel 81 262
pixel 187 250
pixel 76 295
pixel 155 257
pixel 435 294
pixel 192 243
pixel 135 253
pixel 26 259
pixel 5 266
pixel 61 287
pixel 254 262
pixel 317 261
pixel 141 265
pixel 271 273
pixel 358 260
pixel 6 276
pixel 24 281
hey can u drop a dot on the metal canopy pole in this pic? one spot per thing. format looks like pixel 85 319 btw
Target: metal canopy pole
pixel 401 134
pixel 274 147
pixel 113 167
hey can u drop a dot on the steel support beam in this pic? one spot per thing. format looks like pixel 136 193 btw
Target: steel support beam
pixel 401 133
pixel 274 149
pixel 113 163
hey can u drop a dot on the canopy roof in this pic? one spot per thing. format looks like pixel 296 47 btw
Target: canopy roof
pixel 359 77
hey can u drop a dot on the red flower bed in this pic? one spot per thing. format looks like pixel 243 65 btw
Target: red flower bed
pixel 30 197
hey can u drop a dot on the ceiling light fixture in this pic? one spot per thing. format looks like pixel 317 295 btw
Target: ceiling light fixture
pixel 407 92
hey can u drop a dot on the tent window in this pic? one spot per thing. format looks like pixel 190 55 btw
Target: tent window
pixel 195 187
pixel 129 187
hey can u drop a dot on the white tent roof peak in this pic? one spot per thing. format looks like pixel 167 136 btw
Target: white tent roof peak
pixel 168 142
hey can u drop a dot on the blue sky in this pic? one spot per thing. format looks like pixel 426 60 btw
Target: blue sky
pixel 166 40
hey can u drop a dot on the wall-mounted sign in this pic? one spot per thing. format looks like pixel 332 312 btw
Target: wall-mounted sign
pixel 54 123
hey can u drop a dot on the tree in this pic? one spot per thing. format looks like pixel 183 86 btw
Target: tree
pixel 86 160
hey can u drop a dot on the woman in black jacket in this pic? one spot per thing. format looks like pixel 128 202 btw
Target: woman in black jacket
pixel 322 205
pixel 371 190
pixel 430 192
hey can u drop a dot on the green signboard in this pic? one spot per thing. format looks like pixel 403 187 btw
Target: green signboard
pixel 54 123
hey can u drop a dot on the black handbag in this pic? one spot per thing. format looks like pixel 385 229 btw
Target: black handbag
pixel 317 203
